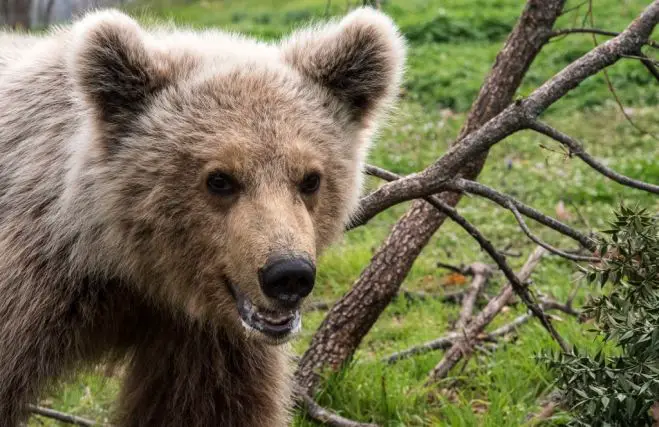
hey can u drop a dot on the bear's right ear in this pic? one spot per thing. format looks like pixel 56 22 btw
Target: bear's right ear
pixel 112 68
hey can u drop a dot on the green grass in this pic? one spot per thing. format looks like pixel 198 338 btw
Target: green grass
pixel 452 46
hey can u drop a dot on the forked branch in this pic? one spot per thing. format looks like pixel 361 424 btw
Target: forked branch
pixel 519 115
pixel 577 149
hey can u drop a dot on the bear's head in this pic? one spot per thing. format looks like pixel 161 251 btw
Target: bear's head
pixel 217 167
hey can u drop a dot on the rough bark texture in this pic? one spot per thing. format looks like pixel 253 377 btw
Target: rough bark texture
pixel 15 13
pixel 352 317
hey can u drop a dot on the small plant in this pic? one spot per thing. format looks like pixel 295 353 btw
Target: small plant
pixel 618 389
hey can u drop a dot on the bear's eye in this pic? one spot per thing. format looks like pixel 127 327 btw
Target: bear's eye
pixel 221 184
pixel 310 183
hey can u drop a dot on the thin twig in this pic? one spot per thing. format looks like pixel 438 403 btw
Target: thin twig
pixel 609 83
pixel 61 416
pixel 565 31
pixel 451 267
pixel 325 416
pixel 576 148
pixel 547 246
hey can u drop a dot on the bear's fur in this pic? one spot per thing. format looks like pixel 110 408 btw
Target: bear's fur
pixel 113 248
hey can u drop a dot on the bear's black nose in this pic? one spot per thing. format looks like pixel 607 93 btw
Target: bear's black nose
pixel 287 280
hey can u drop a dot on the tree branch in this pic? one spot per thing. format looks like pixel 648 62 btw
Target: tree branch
pixel 464 345
pixel 576 148
pixel 498 258
pixel 547 246
pixel 324 416
pixel 649 64
pixel 517 285
pixel 61 416
pixel 519 115
pixel 481 273
pixel 447 340
pixel 514 206
pixel 566 31
pixel 505 201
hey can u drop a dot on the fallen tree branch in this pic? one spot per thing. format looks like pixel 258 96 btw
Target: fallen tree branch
pixel 576 148
pixel 324 416
pixel 481 273
pixel 464 344
pixel 447 340
pixel 61 416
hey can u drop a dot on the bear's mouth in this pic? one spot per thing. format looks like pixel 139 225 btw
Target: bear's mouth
pixel 276 326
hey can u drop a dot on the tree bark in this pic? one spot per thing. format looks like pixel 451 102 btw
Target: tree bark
pixel 15 13
pixel 354 314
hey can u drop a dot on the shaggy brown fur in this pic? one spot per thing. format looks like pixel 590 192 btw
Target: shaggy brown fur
pixel 111 243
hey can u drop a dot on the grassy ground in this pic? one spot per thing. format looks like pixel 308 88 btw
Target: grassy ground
pixel 452 45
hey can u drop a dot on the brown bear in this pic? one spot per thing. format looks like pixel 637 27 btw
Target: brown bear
pixel 164 195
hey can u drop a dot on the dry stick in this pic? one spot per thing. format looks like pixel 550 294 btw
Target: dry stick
pixel 547 246
pixel 577 149
pixel 60 416
pixel 565 31
pixel 464 345
pixel 322 415
pixel 519 115
pixel 447 340
pixel 517 285
pixel 481 274
pixel 503 200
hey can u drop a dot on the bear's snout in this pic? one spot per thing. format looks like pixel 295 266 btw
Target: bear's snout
pixel 287 280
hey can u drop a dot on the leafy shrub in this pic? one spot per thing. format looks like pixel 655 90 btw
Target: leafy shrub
pixel 619 389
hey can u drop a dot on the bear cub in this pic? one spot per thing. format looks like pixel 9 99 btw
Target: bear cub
pixel 164 196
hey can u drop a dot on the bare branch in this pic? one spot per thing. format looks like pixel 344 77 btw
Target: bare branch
pixel 464 345
pixel 61 416
pixel 547 246
pixel 481 274
pixel 576 149
pixel 447 340
pixel 450 267
pixel 442 343
pixel 515 117
pixel 505 201
pixel 322 415
pixel 566 31
pixel 501 199
pixel 517 285
pixel 498 258
pixel 650 65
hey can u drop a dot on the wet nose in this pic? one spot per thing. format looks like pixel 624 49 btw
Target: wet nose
pixel 288 280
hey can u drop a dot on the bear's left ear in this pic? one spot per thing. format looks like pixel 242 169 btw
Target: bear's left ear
pixel 360 60
pixel 112 68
